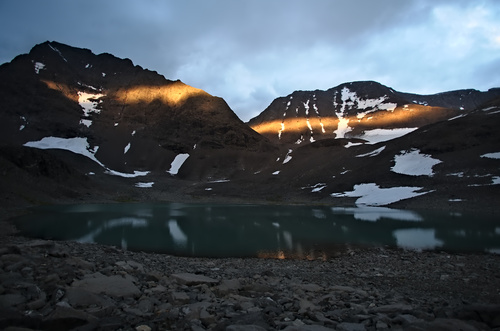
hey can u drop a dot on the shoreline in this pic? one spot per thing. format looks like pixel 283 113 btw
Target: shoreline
pixel 61 285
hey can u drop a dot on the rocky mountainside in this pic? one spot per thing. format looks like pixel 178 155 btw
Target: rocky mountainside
pixel 80 126
pixel 365 143
pixel 125 120
pixel 350 109
pixel 130 118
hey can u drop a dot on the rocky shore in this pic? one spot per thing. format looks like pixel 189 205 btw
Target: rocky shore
pixel 46 285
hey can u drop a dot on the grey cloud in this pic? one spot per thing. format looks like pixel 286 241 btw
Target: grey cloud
pixel 250 52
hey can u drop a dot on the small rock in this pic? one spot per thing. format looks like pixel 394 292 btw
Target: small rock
pixel 444 324
pixel 11 300
pixel 310 287
pixel 245 328
pixel 79 297
pixel 394 308
pixel 179 298
pixel 143 328
pixel 351 327
pixel 193 279
pixel 115 286
pixel 65 318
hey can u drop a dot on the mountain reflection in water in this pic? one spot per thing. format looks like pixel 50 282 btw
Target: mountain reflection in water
pixel 216 230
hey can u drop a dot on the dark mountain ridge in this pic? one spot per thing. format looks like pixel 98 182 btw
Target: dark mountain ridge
pixel 62 91
pixel 80 126
pixel 351 108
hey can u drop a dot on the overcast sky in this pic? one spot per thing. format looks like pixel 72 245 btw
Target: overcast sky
pixel 250 52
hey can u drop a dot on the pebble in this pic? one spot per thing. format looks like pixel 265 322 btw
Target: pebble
pixel 65 285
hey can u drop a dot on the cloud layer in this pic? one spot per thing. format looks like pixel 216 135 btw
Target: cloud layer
pixel 250 52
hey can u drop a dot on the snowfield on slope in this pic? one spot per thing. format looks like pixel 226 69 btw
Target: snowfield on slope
pixel 79 145
pixel 379 135
pixel 371 194
pixel 413 163
pixel 177 163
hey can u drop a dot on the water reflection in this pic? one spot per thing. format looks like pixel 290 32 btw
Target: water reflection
pixel 266 231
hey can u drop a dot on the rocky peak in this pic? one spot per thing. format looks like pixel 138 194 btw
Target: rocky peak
pixel 349 109
pixel 130 117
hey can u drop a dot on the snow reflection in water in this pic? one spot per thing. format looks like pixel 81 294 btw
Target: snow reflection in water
pixel 260 230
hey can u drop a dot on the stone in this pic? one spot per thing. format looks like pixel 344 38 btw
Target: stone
pixel 307 328
pixel 79 297
pixel 442 324
pixel 65 318
pixel 179 298
pixel 351 327
pixel 116 286
pixel 397 308
pixel 11 300
pixel 193 279
pixel 146 306
pixel 305 305
pixel 309 287
pixel 227 286
pixel 348 289
pixel 143 328
pixel 245 328
pixel 136 265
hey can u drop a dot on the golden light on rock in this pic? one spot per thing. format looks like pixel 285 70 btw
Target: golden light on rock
pixel 174 95
pixel 327 125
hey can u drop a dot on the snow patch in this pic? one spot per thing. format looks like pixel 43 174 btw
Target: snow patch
pixel 177 163
pixel 144 184
pixel 89 103
pixel 287 157
pixel 454 118
pixel 58 52
pixel 372 153
pixel 342 127
pixel 492 155
pixel 77 145
pixel 22 126
pixel 125 150
pixel 126 175
pixel 379 135
pixel 277 172
pixel 220 181
pixel 414 164
pixel 281 130
pixel 350 144
pixel 372 195
pixel 85 122
pixel 39 66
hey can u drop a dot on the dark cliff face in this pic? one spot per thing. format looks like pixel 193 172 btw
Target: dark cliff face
pixel 350 109
pixel 132 118
pixel 122 122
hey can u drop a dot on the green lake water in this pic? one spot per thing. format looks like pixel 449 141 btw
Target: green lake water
pixel 217 230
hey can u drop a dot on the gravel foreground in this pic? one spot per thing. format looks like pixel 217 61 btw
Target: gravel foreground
pixel 47 285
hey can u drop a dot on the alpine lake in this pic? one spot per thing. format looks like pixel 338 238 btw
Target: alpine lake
pixel 267 231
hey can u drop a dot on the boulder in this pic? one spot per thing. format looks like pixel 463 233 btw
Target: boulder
pixel 193 279
pixel 116 286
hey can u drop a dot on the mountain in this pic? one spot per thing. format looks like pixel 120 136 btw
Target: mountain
pixel 76 126
pixel 127 118
pixel 100 114
pixel 366 143
pixel 351 109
